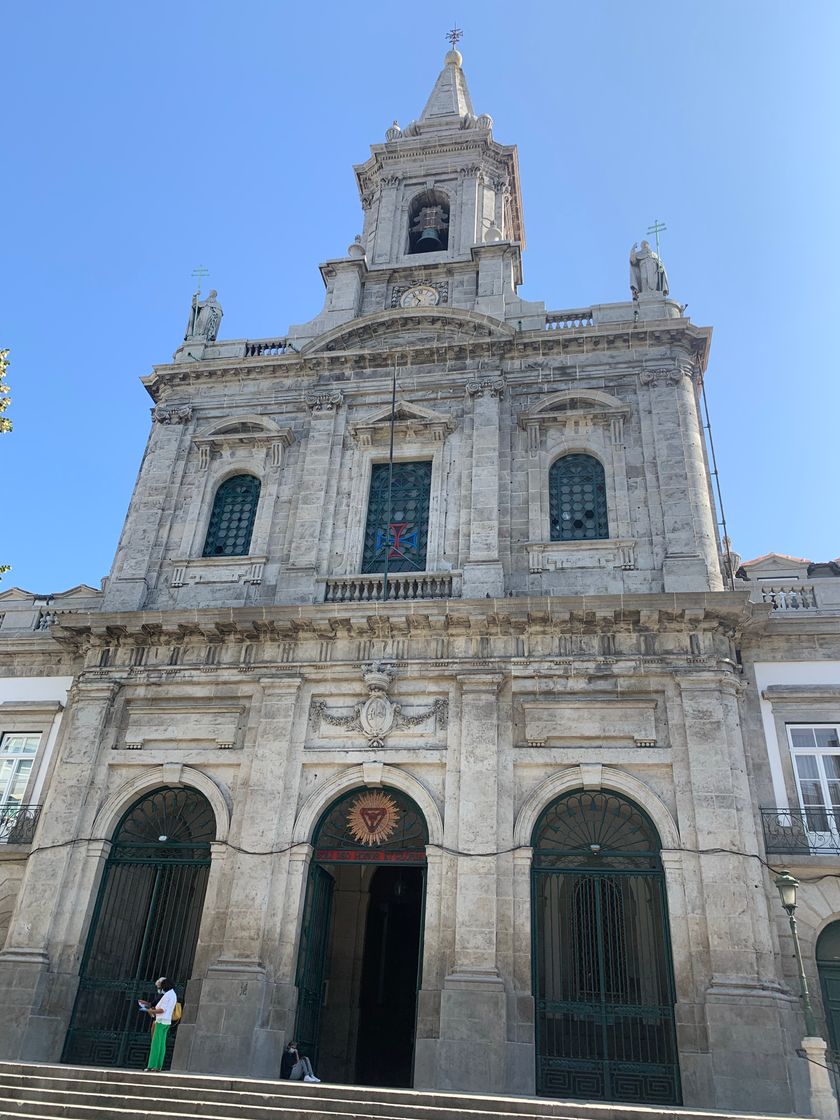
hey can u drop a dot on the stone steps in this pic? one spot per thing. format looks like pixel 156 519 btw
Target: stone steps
pixel 48 1092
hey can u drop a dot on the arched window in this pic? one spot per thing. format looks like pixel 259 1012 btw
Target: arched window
pixel 577 499
pixel 428 222
pixel 232 519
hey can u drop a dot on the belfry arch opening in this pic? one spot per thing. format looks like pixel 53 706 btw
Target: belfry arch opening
pixel 428 222
pixel 602 974
pixel 360 953
pixel 145 924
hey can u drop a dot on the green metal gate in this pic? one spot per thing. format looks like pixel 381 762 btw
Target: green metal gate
pixel 602 972
pixel 145 924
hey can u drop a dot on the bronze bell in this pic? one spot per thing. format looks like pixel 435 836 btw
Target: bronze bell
pixel 429 241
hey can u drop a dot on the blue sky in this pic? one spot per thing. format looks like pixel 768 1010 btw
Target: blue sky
pixel 142 140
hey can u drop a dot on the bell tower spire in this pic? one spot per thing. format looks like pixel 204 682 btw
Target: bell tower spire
pixel 449 102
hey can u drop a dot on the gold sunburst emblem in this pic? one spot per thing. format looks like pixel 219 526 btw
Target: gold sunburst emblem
pixel 372 818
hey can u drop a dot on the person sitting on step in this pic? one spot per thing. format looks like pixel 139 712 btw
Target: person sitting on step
pixel 293 1067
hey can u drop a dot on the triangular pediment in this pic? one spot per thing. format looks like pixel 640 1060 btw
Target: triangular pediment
pixel 411 422
pixel 775 563
pixel 398 329
pixel 406 410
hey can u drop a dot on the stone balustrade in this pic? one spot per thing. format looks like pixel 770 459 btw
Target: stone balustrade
pixel 266 347
pixel 789 596
pixel 562 320
pixel 401 586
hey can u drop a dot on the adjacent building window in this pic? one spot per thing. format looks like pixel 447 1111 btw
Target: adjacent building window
pixel 17 757
pixel 398 518
pixel 577 499
pixel 232 519
pixel 816 763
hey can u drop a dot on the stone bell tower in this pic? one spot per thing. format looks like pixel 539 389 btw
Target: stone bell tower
pixel 442 220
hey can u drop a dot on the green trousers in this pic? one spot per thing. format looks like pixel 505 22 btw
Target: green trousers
pixel 158 1050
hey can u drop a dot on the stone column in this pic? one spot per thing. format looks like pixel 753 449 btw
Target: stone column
pixel 234 1032
pixel 473 1030
pixel 744 1004
pixel 483 573
pixel 39 967
pixel 297 584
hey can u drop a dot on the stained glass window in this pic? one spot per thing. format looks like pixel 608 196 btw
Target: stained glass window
pixel 577 499
pixel 401 537
pixel 232 519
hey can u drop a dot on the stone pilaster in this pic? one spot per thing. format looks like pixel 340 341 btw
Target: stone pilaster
pixel 297 584
pixel 234 1031
pixel 130 578
pixel 39 966
pixel 691 562
pixel 473 1003
pixel 744 1005
pixel 483 573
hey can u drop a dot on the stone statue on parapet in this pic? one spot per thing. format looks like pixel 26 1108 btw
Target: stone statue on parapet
pixel 205 318
pixel 647 272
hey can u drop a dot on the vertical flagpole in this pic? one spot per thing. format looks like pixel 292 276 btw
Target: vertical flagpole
pixel 390 485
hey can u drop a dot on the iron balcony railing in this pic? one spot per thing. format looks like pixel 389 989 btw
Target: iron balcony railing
pixel 814 831
pixel 18 822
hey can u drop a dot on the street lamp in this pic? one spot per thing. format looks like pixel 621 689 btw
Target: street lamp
pixel 786 886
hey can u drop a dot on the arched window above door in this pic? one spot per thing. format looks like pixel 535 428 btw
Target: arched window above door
pixel 232 518
pixel 577 499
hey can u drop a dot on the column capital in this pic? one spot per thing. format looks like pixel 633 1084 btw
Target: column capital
pixel 489 386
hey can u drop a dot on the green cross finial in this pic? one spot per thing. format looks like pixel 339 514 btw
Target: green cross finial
pixel 656 229
pixel 454 35
pixel 199 273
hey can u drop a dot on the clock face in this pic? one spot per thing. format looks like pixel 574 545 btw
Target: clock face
pixel 424 295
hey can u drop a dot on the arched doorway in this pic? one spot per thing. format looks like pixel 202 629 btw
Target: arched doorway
pixel 361 939
pixel 828 967
pixel 602 971
pixel 145 924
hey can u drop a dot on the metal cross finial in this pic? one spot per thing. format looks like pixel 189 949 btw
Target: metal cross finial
pixel 656 229
pixel 199 273
pixel 454 36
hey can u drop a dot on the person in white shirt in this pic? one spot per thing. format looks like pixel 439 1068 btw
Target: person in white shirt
pixel 161 1012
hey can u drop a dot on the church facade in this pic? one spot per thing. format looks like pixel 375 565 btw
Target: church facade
pixel 421 717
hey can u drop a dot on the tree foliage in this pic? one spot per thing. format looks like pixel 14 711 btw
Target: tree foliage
pixel 5 398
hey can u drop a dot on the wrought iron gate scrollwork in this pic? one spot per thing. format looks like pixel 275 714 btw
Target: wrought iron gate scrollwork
pixel 144 925
pixel 603 979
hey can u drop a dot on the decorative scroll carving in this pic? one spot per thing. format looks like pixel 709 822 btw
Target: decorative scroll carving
pixel 378 716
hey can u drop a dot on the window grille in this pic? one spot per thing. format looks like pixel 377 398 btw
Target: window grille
pixel 402 537
pixel 232 519
pixel 577 499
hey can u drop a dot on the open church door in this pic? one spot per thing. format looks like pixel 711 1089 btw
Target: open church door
pixel 312 960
